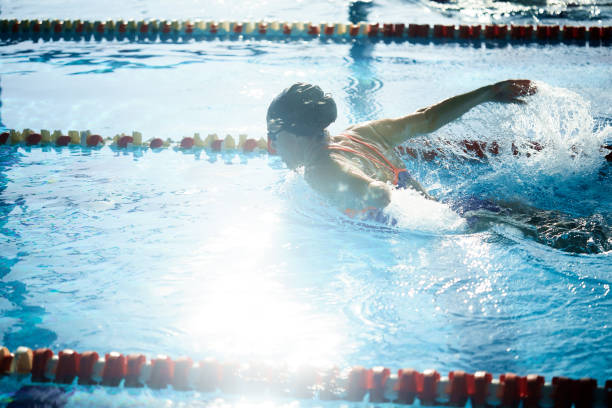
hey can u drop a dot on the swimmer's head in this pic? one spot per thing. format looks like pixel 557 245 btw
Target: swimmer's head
pixel 303 110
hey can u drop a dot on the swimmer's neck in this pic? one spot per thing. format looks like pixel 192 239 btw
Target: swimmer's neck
pixel 314 153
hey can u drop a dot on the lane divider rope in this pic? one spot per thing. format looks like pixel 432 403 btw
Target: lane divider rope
pixel 27 137
pixel 152 30
pixel 355 384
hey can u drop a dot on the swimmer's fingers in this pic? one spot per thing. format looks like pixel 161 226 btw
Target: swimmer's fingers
pixel 509 99
pixel 509 91
pixel 523 87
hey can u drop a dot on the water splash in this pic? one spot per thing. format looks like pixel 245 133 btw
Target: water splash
pixel 415 212
pixel 547 147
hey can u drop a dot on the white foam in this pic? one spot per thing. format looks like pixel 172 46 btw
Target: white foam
pixel 561 122
pixel 415 212
pixel 557 119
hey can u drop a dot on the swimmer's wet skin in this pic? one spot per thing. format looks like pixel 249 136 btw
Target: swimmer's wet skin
pixel 354 169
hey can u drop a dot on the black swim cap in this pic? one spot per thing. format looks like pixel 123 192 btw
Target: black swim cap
pixel 302 109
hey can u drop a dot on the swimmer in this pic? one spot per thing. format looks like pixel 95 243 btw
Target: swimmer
pixel 354 169
pixel 357 169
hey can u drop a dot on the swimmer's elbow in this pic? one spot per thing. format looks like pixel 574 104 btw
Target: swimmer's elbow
pixel 430 120
pixel 423 121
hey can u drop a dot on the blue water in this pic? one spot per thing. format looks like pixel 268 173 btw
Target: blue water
pixel 235 257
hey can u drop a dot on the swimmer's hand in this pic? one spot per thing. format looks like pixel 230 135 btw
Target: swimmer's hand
pixel 509 91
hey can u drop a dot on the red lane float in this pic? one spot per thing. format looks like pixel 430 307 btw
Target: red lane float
pixel 430 387
pixel 444 31
pixel 124 141
pixel 562 392
pixel 215 145
pixel 133 370
pixel 249 145
pixel 357 384
pixel 39 364
pixel 548 32
pixel 115 369
pixel 187 143
pixel 94 140
pixel 6 359
pixel 373 30
pixel 409 384
pixel 86 366
pixel 418 30
pixel 156 143
pixel 520 32
pixel 4 137
pixel 461 385
pixel 511 390
pixel 162 372
pixel 609 155
pixel 496 32
pixel 67 367
pixel 584 392
pixel 33 139
pixel 574 33
pixel 481 389
pixel 378 382
pixel 63 140
pixel 534 384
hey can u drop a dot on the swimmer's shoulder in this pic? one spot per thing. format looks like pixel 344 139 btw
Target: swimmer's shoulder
pixel 366 131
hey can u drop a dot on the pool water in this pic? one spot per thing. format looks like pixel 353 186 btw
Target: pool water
pixel 233 256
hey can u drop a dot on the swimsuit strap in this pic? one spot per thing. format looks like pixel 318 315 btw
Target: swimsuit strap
pixel 371 147
pixel 388 165
pixel 358 153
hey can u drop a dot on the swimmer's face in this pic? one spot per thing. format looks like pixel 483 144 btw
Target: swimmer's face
pixel 288 147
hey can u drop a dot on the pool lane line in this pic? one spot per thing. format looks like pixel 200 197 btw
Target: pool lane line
pixel 474 149
pixel 185 30
pixel 355 384
pixel 57 138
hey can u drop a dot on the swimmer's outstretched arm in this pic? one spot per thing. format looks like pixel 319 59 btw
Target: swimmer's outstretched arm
pixel 427 120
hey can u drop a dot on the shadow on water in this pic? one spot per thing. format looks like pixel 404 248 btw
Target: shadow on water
pixel 24 332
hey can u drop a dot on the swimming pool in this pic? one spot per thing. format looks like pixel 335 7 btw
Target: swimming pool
pixel 230 255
